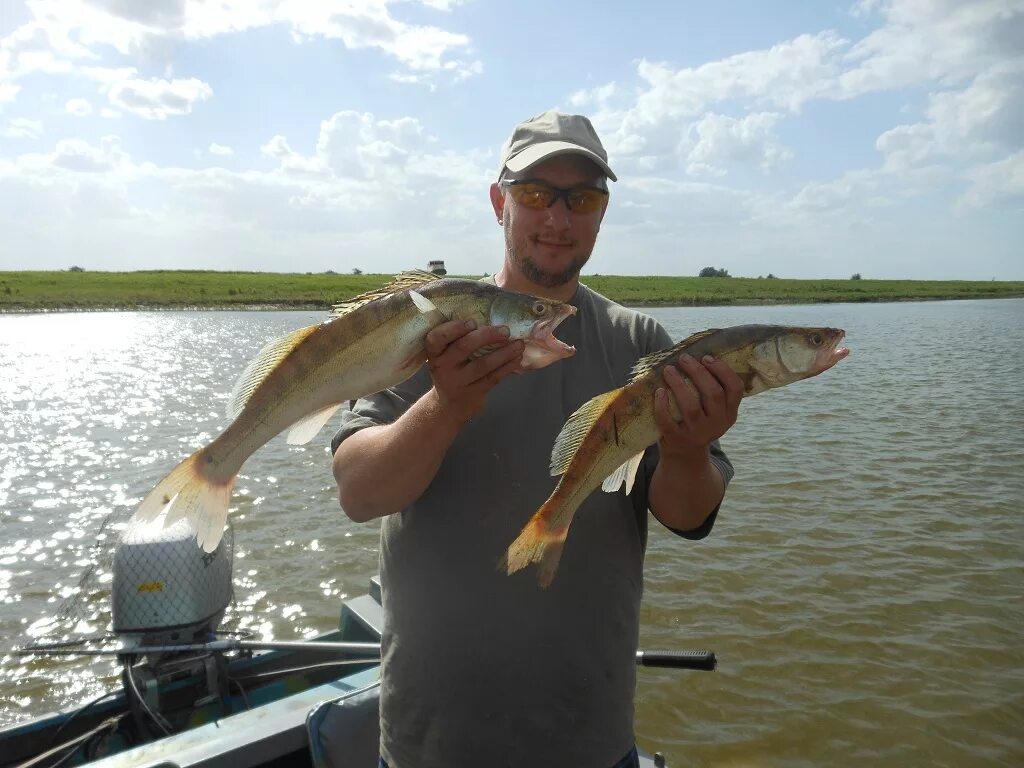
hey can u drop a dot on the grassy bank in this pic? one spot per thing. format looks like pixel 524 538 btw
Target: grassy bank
pixel 37 291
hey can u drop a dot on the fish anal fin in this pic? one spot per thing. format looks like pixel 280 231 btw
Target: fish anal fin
pixel 626 473
pixel 262 366
pixel 306 428
pixel 576 428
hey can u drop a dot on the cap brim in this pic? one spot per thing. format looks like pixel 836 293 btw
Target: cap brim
pixel 532 155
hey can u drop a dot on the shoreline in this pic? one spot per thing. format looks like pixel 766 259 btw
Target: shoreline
pixel 151 291
pixel 633 304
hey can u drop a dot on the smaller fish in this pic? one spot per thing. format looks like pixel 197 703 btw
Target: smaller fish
pixel 603 442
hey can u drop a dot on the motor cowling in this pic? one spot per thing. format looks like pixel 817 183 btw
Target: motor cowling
pixel 166 589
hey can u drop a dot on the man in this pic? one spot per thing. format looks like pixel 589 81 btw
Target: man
pixel 480 668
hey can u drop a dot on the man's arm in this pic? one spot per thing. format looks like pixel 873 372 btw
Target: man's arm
pixel 381 470
pixel 687 485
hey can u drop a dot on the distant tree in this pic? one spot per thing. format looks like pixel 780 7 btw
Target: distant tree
pixel 770 276
pixel 76 269
pixel 330 272
pixel 356 271
pixel 713 272
pixel 855 276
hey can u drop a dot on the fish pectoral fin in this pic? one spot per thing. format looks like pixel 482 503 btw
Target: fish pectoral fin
pixel 434 316
pixel 262 366
pixel 761 380
pixel 305 430
pixel 624 474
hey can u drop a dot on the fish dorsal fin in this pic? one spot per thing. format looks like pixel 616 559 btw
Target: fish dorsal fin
pixel 260 367
pixel 306 429
pixel 647 363
pixel 575 429
pixel 626 473
pixel 412 279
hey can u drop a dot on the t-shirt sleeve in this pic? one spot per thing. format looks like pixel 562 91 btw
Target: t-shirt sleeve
pixel 381 408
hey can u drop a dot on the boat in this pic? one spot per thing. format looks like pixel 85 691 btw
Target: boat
pixel 192 695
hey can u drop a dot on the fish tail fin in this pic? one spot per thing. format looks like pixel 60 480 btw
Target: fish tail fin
pixel 541 541
pixel 189 493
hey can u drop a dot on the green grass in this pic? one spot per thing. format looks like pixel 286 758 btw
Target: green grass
pixel 37 291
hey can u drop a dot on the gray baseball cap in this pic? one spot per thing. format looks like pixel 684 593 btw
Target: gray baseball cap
pixel 548 135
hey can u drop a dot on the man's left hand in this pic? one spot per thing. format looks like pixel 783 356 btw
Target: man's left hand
pixel 708 405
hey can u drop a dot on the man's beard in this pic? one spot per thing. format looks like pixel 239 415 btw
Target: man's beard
pixel 532 271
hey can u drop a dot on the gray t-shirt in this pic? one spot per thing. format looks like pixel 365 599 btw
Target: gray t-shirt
pixel 481 668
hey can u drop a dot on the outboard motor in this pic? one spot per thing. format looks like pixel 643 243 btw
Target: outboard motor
pixel 166 589
pixel 168 592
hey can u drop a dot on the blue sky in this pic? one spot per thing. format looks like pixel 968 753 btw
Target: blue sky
pixel 806 139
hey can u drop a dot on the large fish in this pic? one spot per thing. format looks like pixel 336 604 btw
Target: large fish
pixel 298 381
pixel 603 442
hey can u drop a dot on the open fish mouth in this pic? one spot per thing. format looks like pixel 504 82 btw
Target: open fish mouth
pixel 833 353
pixel 542 347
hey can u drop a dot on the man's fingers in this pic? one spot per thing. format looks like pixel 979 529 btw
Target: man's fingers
pixel 685 394
pixel 468 346
pixel 712 395
pixel 727 378
pixel 439 337
pixel 484 367
pixel 662 415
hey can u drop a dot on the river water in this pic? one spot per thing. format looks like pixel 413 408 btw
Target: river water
pixel 863 588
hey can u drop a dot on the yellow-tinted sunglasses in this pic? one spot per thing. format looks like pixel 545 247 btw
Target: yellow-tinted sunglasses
pixel 539 195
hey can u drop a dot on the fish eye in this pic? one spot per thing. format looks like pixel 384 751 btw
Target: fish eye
pixel 539 308
pixel 815 339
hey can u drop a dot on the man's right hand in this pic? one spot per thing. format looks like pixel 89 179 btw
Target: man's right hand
pixel 463 376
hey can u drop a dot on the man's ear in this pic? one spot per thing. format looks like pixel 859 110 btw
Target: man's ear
pixel 497 202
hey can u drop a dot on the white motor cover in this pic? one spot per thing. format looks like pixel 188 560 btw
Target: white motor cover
pixel 165 586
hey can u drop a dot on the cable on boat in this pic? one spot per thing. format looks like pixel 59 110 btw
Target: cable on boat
pixel 306 668
pixel 241 690
pixel 74 744
pixel 158 719
pixel 81 710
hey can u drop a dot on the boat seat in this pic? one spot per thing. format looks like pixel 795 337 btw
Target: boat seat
pixel 345 732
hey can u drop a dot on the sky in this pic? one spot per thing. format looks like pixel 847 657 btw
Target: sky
pixel 804 138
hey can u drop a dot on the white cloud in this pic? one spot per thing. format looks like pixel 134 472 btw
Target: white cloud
pixel 22 128
pixel 79 107
pixel 220 150
pixel 8 91
pixel 931 40
pixel 81 157
pixel 64 33
pixel 837 194
pixel 985 117
pixel 356 145
pixel 716 141
pixel 599 97
pixel 1000 183
pixel 158 99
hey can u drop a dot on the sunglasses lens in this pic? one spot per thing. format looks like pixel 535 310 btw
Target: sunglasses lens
pixel 535 196
pixel 586 200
